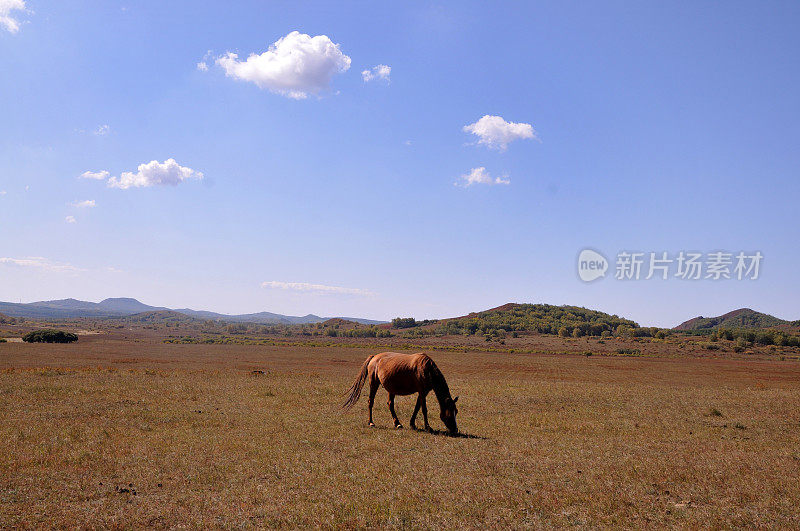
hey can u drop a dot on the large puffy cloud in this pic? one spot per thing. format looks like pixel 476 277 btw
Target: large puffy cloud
pixel 295 65
pixel 155 173
pixel 314 288
pixel 480 176
pixel 379 72
pixel 7 17
pixel 496 133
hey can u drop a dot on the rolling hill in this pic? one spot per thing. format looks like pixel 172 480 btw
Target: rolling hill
pixel 540 318
pixel 741 318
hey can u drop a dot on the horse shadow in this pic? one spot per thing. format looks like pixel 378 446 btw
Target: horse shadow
pixel 445 433
pixel 435 432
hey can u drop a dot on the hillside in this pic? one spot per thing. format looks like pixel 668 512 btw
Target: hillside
pixel 539 318
pixel 741 318
pixel 160 317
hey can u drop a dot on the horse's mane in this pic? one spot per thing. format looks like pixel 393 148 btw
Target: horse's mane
pixel 438 383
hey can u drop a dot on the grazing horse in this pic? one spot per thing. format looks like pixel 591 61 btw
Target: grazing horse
pixel 405 374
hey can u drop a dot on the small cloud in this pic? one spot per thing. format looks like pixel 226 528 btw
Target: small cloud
pixel 495 133
pixel 155 173
pixel 70 219
pixel 89 203
pixel 480 176
pixel 407 142
pixel 314 288
pixel 379 72
pixel 3 192
pixel 294 66
pixel 95 175
pixel 102 130
pixel 38 262
pixel 202 65
pixel 8 18
pixel 27 188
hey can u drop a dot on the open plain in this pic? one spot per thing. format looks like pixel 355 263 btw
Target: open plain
pixel 116 432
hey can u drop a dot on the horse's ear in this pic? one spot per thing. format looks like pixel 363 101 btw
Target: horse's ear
pixel 455 400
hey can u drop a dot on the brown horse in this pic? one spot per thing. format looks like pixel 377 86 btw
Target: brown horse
pixel 405 374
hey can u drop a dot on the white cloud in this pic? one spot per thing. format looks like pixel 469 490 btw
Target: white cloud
pixel 294 66
pixel 7 19
pixel 95 175
pixel 314 288
pixel 480 176
pixel 494 132
pixel 3 192
pixel 89 203
pixel 155 173
pixel 38 262
pixel 380 72
pixel 70 219
pixel 202 65
pixel 102 130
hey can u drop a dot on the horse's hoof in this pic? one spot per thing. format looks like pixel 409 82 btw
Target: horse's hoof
pixel 371 424
pixel 398 427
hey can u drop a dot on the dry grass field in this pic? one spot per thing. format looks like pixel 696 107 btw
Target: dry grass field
pixel 113 433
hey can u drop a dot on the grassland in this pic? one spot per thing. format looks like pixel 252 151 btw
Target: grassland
pixel 130 432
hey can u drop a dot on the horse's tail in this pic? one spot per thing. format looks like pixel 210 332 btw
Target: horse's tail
pixel 355 390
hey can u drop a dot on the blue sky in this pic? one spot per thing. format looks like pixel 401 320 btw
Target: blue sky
pixel 656 128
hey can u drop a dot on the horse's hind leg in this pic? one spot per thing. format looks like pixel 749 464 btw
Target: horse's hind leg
pixel 391 410
pixel 374 383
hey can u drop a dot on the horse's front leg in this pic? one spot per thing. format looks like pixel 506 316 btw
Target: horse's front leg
pixel 413 422
pixel 391 410
pixel 423 403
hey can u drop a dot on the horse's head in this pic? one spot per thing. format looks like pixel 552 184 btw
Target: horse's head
pixel 448 414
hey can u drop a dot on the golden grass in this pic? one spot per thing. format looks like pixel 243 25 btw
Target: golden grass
pixel 167 435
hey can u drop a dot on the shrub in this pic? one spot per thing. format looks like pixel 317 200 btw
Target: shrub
pixel 49 336
pixel 404 322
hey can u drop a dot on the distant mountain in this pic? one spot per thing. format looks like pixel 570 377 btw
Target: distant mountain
pixel 126 305
pixel 741 318
pixel 123 306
